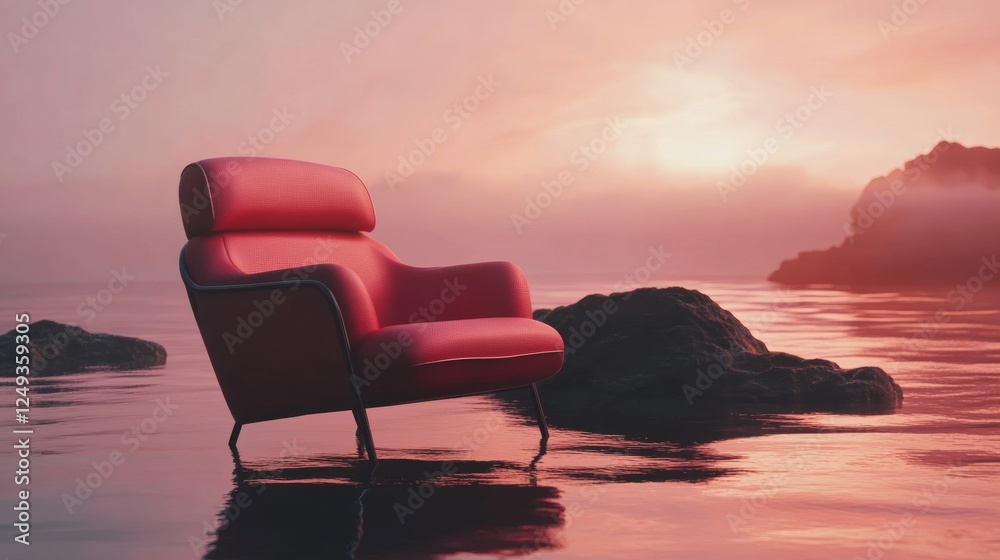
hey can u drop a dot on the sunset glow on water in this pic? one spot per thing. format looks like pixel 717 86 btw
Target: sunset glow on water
pixel 918 483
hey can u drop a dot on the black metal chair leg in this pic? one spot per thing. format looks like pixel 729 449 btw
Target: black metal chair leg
pixel 543 426
pixel 365 431
pixel 361 415
pixel 235 435
pixel 359 439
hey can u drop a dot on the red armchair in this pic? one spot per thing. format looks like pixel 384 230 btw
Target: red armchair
pixel 302 313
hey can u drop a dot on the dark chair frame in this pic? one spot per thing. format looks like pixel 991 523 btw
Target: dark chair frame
pixel 359 410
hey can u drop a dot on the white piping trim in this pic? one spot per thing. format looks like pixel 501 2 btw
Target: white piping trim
pixel 487 357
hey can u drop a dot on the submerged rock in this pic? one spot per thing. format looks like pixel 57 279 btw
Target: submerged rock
pixel 539 314
pixel 638 358
pixel 57 348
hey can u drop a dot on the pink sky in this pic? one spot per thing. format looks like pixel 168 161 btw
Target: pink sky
pixel 553 87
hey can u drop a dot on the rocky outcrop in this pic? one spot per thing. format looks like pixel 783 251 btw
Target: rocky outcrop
pixel 57 348
pixel 645 358
pixel 932 222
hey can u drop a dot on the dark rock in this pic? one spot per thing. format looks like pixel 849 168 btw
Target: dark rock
pixel 934 221
pixel 647 357
pixel 57 348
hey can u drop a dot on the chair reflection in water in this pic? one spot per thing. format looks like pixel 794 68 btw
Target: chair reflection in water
pixel 325 507
pixel 302 312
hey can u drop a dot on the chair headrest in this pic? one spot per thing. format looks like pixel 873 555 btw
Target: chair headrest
pixel 254 194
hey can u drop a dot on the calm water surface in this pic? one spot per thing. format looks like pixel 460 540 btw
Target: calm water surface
pixel 918 484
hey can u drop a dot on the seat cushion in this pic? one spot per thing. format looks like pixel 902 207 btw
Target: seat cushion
pixel 440 359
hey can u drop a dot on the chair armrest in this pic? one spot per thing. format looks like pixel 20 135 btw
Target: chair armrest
pixel 467 291
pixel 348 298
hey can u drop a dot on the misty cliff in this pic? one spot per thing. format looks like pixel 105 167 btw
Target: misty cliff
pixel 935 220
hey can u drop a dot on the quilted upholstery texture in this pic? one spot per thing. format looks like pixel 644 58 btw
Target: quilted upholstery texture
pixel 415 333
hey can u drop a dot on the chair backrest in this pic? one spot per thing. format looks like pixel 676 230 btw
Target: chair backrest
pixel 245 216
pixel 264 194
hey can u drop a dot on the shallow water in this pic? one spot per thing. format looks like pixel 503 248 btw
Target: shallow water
pixel 921 483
